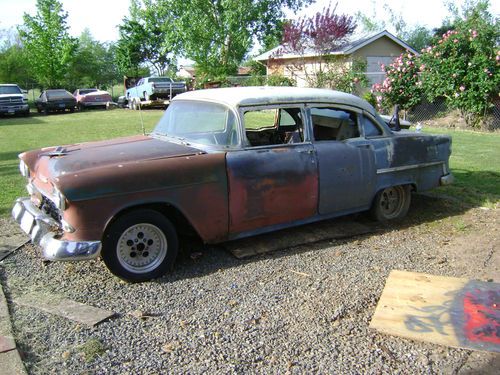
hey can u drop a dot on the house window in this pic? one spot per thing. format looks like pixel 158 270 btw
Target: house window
pixel 374 71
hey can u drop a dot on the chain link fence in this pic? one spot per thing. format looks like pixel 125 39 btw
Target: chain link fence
pixel 426 111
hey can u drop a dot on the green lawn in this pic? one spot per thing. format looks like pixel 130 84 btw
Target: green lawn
pixel 474 162
pixel 21 134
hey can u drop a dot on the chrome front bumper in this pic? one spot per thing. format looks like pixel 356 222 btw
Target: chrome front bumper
pixel 43 229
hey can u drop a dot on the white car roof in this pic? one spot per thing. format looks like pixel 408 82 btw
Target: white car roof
pixel 254 96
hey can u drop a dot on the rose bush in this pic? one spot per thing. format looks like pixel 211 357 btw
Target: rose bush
pixel 402 84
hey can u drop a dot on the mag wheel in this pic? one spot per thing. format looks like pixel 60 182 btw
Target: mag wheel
pixel 139 246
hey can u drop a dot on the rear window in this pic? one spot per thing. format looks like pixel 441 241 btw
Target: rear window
pixel 87 91
pixel 59 94
pixel 160 79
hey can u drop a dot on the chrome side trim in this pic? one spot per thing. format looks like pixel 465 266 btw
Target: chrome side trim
pixel 43 231
pixel 406 167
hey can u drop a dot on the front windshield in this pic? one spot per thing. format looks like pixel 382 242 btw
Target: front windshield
pixel 199 122
pixel 4 90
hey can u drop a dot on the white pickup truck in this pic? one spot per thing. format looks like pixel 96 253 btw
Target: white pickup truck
pixel 13 100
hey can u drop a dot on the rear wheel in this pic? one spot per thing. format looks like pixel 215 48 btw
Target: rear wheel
pixel 140 245
pixel 391 203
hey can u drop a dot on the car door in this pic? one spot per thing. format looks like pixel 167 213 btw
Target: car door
pixel 346 162
pixel 274 179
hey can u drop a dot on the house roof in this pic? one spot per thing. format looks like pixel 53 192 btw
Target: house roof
pixel 353 44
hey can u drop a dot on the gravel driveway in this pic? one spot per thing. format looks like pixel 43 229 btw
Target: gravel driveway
pixel 305 309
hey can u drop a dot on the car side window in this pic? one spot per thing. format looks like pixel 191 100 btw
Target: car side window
pixel 275 126
pixel 333 124
pixel 370 129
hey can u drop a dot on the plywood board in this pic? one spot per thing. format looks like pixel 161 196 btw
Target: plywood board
pixel 443 310
pixel 286 238
pixel 66 308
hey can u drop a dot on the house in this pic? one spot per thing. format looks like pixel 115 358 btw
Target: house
pixel 375 49
pixel 186 72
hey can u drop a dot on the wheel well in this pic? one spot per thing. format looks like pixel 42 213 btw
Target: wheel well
pixel 180 222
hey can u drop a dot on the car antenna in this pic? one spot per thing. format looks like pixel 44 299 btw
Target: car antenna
pixel 138 102
pixel 142 120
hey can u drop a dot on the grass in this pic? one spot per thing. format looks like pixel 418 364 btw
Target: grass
pixel 474 160
pixel 21 134
pixel 475 164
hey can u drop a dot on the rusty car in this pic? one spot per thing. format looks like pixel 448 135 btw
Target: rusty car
pixel 223 164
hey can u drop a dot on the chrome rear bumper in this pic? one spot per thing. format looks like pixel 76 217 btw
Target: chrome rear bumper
pixel 43 229
pixel 447 179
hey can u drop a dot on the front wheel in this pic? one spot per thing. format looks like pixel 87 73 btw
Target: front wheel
pixel 391 203
pixel 140 245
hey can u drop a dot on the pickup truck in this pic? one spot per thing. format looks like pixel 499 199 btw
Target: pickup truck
pixel 153 88
pixel 13 100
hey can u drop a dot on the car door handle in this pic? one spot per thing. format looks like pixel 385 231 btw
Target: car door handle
pixel 306 151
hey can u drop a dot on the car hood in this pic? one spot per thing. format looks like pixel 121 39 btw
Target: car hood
pixel 11 96
pixel 54 163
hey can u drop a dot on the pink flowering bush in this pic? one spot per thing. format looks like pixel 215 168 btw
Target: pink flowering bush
pixel 401 86
pixel 463 66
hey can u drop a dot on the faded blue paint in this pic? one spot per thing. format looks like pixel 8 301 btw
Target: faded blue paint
pixel 347 175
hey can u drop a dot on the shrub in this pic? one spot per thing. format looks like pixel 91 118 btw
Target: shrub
pixel 402 84
pixel 463 65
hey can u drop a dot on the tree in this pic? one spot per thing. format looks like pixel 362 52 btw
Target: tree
pixel 48 46
pixel 148 36
pixel 217 34
pixel 319 35
pixel 416 36
pixel 13 64
pixel 93 64
pixel 463 65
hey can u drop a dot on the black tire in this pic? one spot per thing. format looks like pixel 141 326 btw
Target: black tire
pixel 140 245
pixel 71 110
pixel 39 110
pixel 391 203
pixel 45 111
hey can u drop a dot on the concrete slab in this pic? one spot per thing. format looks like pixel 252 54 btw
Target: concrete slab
pixel 10 361
pixel 66 308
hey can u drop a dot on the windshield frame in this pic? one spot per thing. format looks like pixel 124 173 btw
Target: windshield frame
pixel 204 146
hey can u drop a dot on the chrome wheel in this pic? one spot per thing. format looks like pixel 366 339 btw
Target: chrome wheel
pixel 141 248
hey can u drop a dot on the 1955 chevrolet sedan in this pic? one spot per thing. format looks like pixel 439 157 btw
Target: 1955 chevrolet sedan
pixel 223 164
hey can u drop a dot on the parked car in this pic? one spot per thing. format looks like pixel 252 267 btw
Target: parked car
pixel 86 98
pixel 223 164
pixel 13 100
pixel 152 88
pixel 55 100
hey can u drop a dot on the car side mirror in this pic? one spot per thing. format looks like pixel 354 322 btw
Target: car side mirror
pixel 394 123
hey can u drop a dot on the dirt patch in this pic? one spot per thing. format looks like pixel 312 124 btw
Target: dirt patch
pixel 474 239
